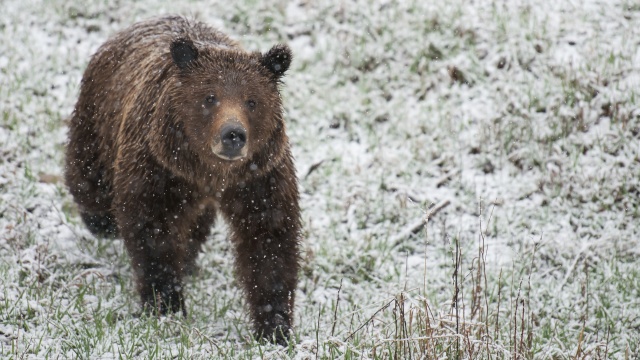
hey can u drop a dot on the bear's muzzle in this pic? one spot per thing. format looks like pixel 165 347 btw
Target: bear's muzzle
pixel 232 141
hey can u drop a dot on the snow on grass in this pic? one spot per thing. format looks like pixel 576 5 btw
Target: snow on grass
pixel 520 117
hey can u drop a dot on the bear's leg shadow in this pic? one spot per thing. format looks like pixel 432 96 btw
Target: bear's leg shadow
pixel 265 221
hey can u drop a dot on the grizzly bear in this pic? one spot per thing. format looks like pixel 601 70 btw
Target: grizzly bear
pixel 175 123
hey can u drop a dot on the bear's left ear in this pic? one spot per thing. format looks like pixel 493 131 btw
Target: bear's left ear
pixel 277 60
pixel 183 52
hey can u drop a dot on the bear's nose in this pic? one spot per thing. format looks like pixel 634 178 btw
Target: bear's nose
pixel 233 138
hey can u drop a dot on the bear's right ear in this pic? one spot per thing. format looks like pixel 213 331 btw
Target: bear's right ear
pixel 183 52
pixel 277 60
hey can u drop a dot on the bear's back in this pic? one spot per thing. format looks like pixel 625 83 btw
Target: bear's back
pixel 152 39
pixel 141 53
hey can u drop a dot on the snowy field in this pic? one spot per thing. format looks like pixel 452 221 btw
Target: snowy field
pixel 513 126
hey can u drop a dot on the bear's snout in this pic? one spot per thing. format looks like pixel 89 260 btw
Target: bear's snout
pixel 233 138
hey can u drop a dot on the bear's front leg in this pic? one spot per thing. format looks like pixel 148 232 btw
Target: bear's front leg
pixel 151 219
pixel 264 217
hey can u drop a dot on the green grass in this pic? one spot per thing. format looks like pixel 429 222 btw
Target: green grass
pixel 391 108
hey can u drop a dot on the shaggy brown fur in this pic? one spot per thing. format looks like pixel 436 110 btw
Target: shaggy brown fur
pixel 175 122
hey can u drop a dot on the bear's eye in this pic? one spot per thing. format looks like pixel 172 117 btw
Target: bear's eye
pixel 251 104
pixel 211 99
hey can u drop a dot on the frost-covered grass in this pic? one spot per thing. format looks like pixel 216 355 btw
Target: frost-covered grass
pixel 514 126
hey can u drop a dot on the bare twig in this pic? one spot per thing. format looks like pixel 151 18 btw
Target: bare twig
pixel 211 342
pixel 455 295
pixel 522 323
pixel 580 338
pixel 446 177
pixel 419 224
pixel 318 331
pixel 515 323
pixel 435 209
pixel 335 311
pixel 370 319
pixel 208 339
pixel 451 336
pixel 495 335
pixel 313 168
pixel 413 228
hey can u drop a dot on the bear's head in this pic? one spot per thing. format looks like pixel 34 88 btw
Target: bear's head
pixel 227 101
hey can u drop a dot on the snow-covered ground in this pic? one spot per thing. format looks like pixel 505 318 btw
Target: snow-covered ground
pixel 518 120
